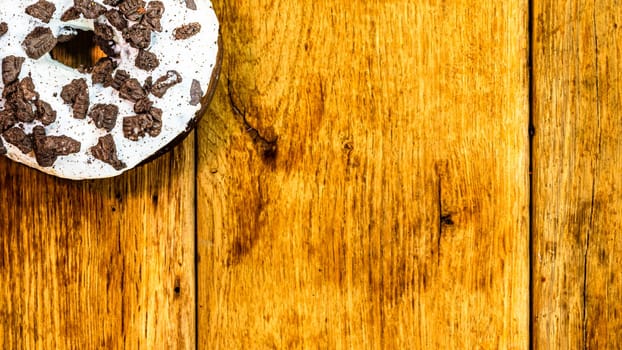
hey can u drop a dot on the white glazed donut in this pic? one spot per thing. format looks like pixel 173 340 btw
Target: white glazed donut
pixel 163 61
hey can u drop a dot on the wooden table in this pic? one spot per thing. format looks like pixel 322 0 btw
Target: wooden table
pixel 361 181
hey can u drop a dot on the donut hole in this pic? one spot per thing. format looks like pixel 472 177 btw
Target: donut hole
pixel 79 51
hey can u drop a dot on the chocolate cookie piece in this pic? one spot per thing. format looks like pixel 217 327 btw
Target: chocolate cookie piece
pixel 148 83
pixel 153 15
pixel 18 138
pixel 196 93
pixel 132 91
pixel 90 9
pixel 115 17
pixel 49 148
pixel 146 60
pixel 19 98
pixel 2 148
pixel 156 117
pixel 76 94
pixel 71 14
pixel 106 151
pixel 120 77
pixel 112 2
pixel 39 42
pixel 11 67
pixel 165 82
pixel 10 90
pixel 44 113
pixel 24 112
pixel 104 116
pixel 191 4
pixel 136 127
pixel 42 10
pixel 27 90
pixel 133 10
pixel 7 118
pixel 102 72
pixel 103 31
pixel 186 31
pixel 4 27
pixel 138 36
pixel 143 106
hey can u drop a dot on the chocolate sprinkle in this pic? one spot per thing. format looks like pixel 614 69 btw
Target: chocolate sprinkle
pixel 18 138
pixel 186 31
pixel 146 60
pixel 132 91
pixel 104 116
pixel 196 93
pixel 39 42
pixel 45 113
pixel 4 27
pixel 116 19
pixel 11 67
pixel 48 148
pixel 76 94
pixel 165 82
pixel 106 151
pixel 191 4
pixel 42 10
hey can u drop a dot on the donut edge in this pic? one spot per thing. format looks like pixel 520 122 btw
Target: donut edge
pixel 205 102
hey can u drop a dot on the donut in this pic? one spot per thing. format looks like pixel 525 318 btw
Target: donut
pixel 158 66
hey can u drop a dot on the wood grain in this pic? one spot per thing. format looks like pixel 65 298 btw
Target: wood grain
pixel 104 264
pixel 363 177
pixel 577 246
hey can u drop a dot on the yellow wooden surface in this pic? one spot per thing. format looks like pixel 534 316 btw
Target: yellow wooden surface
pixel 98 264
pixel 577 247
pixel 391 210
pixel 361 182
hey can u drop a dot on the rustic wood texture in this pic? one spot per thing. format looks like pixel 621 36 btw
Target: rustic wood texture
pixel 363 177
pixel 577 245
pixel 99 264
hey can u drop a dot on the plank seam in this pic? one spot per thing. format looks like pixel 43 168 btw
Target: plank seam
pixel 532 132
pixel 196 240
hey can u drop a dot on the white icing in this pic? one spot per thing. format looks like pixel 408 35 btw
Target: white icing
pixel 193 58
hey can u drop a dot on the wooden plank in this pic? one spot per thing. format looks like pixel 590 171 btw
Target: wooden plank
pixel 391 210
pixel 577 244
pixel 99 264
